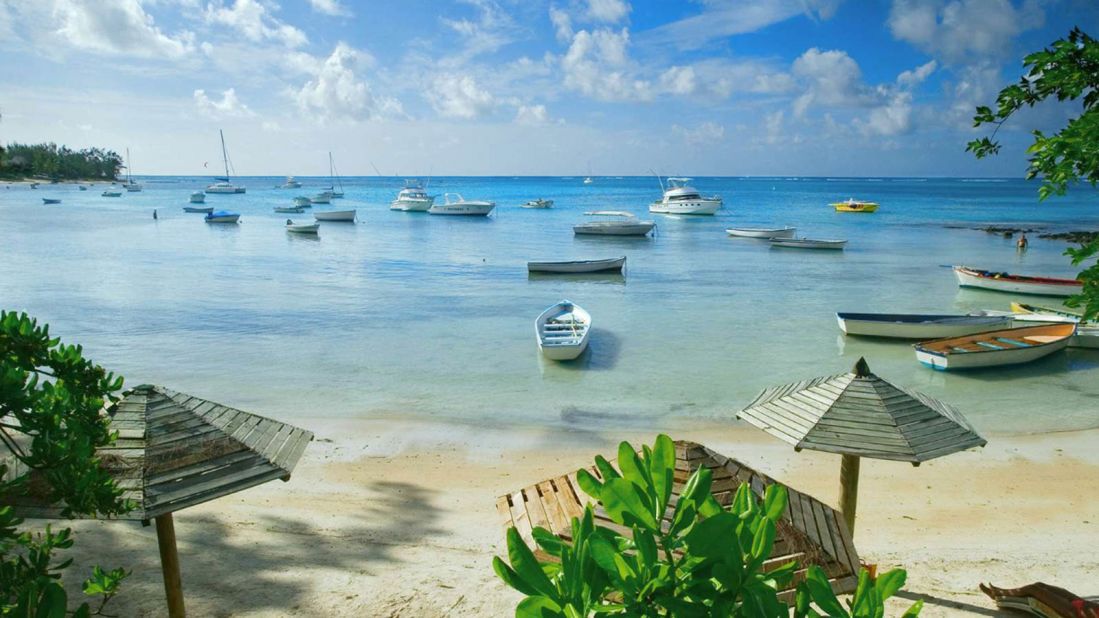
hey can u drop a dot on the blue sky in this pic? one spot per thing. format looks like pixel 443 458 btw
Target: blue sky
pixel 702 87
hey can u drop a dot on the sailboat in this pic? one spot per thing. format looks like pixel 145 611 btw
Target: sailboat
pixel 223 185
pixel 130 185
pixel 587 179
pixel 333 192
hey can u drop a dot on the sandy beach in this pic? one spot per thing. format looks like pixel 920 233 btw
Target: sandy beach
pixel 397 518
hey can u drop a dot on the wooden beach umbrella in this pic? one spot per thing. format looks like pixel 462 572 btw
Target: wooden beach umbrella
pixel 174 451
pixel 858 414
pixel 809 531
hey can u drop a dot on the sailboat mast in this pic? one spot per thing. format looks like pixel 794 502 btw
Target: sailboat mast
pixel 129 168
pixel 224 154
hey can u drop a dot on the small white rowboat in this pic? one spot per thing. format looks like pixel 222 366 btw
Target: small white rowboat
pixel 917 326
pixel 619 223
pixel 335 215
pixel 1013 346
pixel 302 228
pixel 758 232
pixel 563 331
pixel 1019 284
pixel 202 209
pixel 578 266
pixel 808 243
pixel 289 209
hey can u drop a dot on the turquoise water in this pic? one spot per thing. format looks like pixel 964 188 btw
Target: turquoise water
pixel 413 315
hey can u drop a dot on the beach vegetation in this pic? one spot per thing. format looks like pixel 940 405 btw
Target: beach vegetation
pixel 1067 70
pixel 53 162
pixel 51 423
pixel 706 560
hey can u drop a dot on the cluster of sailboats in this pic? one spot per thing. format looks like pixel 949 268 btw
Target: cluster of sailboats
pixel 986 338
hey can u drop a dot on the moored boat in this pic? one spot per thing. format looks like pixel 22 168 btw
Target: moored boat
pixel 621 223
pixel 302 228
pixel 759 232
pixel 201 209
pixel 996 348
pixel 579 266
pixel 50 200
pixel 455 204
pixel 335 215
pixel 539 203
pixel 1087 333
pixel 853 205
pixel 302 202
pixel 289 209
pixel 323 197
pixel 807 243
pixel 290 183
pixel 1018 284
pixel 198 197
pixel 562 331
pixel 222 216
pixel 111 193
pixel 412 198
pixel 223 185
pixel 919 326
pixel 681 199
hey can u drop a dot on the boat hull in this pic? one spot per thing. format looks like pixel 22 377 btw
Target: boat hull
pixel 539 204
pixel 335 215
pixel 468 209
pixel 231 190
pixel 914 326
pixel 197 209
pixel 867 208
pixel 792 243
pixel 580 266
pixel 47 200
pixel 411 205
pixel 563 341
pixel 693 207
pixel 1015 284
pixel 289 209
pixel 1000 348
pixel 747 232
pixel 198 197
pixel 614 229
pixel 222 219
pixel 303 228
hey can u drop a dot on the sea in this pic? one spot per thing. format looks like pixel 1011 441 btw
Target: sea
pixel 420 317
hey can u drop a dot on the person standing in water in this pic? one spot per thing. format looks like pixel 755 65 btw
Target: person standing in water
pixel 1022 243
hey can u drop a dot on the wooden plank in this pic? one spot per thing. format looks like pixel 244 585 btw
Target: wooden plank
pixel 519 517
pixel 551 502
pixel 536 513
pixel 823 533
pixel 834 533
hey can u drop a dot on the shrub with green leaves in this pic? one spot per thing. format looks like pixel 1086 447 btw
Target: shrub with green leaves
pixel 706 562
pixel 51 423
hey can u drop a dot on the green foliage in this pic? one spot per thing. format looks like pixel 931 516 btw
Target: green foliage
pixel 58 162
pixel 706 561
pixel 1068 70
pixel 51 423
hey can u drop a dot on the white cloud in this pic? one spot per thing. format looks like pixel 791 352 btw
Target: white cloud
pixel 229 105
pixel 335 90
pixel 531 115
pixel 492 29
pixel 459 96
pixel 963 30
pixel 720 19
pixel 705 133
pixel 332 8
pixel 120 27
pixel 893 118
pixel 253 20
pixel 833 80
pixel 679 80
pixel 916 76
pixel 562 24
pixel 773 123
pixel 597 65
pixel 608 11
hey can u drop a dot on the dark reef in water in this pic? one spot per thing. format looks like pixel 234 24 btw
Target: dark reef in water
pixel 1073 236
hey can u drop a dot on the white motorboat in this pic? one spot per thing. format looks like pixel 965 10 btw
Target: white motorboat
pixel 1018 284
pixel 808 243
pixel 579 266
pixel 761 232
pixel 996 348
pixel 681 199
pixel 588 180
pixel 222 216
pixel 324 197
pixel 199 209
pixel 289 209
pixel 539 203
pixel 563 331
pixel 918 326
pixel 291 183
pixel 621 224
pixel 335 215
pixel 198 197
pixel 223 186
pixel 455 204
pixel 302 202
pixel 412 198
pixel 302 228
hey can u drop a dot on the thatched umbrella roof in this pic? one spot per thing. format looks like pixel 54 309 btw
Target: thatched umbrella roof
pixel 857 414
pixel 809 531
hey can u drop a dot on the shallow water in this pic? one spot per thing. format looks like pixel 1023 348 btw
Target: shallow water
pixel 422 316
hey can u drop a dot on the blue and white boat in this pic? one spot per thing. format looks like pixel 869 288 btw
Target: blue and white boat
pixel 222 216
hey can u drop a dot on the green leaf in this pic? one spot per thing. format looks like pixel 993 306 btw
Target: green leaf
pixel 606 469
pixel 763 540
pixel 715 537
pixel 511 578
pixel 889 583
pixel 914 611
pixel 538 607
pixel 625 505
pixel 548 541
pixel 662 470
pixel 821 592
pixel 526 566
pixel 774 501
pixel 631 467
pixel 588 483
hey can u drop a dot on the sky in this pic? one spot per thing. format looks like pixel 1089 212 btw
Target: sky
pixel 529 87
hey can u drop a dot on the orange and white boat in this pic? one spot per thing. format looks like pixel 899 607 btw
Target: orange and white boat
pixel 996 348
pixel 1018 284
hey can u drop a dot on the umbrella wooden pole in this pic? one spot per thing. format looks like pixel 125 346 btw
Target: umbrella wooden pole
pixel 169 563
pixel 849 489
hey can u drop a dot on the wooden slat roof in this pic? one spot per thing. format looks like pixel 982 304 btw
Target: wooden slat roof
pixel 858 413
pixel 174 451
pixel 809 531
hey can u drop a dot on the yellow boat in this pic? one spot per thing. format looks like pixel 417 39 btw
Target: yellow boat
pixel 853 205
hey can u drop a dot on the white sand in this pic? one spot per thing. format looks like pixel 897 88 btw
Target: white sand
pixel 387 518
